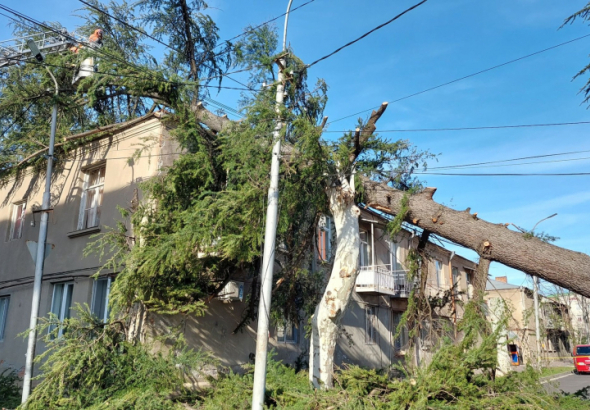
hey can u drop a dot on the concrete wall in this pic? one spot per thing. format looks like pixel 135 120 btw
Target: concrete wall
pixel 65 261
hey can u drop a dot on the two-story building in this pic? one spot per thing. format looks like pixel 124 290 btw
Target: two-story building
pixel 103 173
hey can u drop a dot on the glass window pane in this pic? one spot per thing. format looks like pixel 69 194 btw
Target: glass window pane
pixel 57 298
pixel 68 301
pixel 3 314
pixel 100 298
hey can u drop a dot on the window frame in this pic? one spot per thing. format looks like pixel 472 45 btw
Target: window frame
pixel 456 275
pixel 324 238
pixel 4 305
pixel 12 236
pixel 402 339
pixel 97 198
pixel 367 244
pixel 370 325
pixel 439 271
pixel 68 290
pixel 282 334
pixel 106 311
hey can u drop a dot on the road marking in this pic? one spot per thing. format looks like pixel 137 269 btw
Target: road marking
pixel 557 378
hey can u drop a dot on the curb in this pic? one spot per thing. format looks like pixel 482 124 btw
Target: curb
pixel 556 376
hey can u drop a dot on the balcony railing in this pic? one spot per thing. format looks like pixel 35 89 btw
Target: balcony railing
pixel 382 279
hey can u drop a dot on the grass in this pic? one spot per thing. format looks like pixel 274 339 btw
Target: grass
pixel 550 371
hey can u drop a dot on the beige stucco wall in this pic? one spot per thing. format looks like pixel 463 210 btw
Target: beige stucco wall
pixel 65 262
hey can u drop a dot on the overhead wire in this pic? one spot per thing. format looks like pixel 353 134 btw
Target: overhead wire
pixel 366 34
pixel 143 32
pixel 512 159
pixel 488 127
pixel 507 174
pixel 98 50
pixel 467 76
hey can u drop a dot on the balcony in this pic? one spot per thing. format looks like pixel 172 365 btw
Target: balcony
pixel 382 279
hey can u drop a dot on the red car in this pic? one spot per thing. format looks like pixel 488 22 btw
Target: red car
pixel 582 359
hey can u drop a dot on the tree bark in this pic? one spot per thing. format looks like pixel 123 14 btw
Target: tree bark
pixel 494 242
pixel 329 312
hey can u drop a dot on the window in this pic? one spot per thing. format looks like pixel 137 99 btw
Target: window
pixel 365 249
pixel 370 325
pixel 394 258
pixel 91 201
pixel 17 220
pixel 401 338
pixel 100 298
pixel 287 333
pixel 456 279
pixel 61 303
pixel 468 276
pixel 324 239
pixel 439 271
pixel 3 314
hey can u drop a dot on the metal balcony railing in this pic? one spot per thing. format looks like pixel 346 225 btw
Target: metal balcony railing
pixel 382 279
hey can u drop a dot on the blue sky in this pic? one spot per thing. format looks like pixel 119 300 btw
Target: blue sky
pixel 440 41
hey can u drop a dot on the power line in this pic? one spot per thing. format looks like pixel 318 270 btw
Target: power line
pixel 367 33
pixel 155 39
pixel 512 159
pixel 107 55
pixel 521 163
pixel 178 83
pixel 490 127
pixel 264 24
pixel 467 76
pixel 506 175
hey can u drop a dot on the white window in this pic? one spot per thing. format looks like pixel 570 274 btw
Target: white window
pixel 401 339
pixel 324 237
pixel 394 257
pixel 370 325
pixel 17 220
pixel 287 333
pixel 4 300
pixel 439 272
pixel 365 249
pixel 100 298
pixel 61 303
pixel 91 201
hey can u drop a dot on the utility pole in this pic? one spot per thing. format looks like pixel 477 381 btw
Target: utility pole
pixel 270 235
pixel 537 328
pixel 45 208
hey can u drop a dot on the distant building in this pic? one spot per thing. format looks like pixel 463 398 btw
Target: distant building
pixel 555 338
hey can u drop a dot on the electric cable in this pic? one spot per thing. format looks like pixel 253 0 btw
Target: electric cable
pixel 366 34
pixel 511 159
pixel 488 127
pixel 154 38
pixel 507 175
pixel 467 76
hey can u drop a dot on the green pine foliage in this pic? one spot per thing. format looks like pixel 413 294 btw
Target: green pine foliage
pixel 460 376
pixel 93 366
pixel 10 392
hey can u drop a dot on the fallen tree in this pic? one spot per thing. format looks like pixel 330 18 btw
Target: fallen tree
pixel 493 242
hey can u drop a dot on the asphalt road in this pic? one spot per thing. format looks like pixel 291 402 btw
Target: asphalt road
pixel 569 383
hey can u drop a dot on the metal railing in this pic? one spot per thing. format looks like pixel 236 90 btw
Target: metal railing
pixel 383 279
pixel 16 49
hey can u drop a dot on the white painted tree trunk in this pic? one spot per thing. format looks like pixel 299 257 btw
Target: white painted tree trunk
pixel 332 306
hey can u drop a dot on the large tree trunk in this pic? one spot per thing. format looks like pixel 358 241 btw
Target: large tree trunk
pixel 329 312
pixel 494 242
